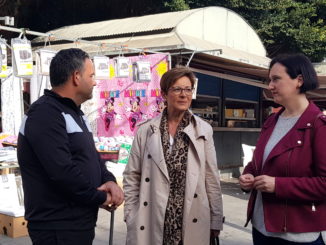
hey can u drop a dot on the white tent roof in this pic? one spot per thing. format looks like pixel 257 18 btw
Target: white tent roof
pixel 218 29
pixel 122 26
pixel 222 39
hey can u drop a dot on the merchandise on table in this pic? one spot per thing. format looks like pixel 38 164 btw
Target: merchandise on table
pixel 8 140
pixel 114 148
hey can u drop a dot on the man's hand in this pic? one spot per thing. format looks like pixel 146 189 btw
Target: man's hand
pixel 246 181
pixel 265 183
pixel 107 205
pixel 115 195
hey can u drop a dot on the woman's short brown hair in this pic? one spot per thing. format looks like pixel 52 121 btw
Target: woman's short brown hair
pixel 171 76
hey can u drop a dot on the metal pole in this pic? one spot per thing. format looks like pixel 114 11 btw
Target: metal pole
pixel 35 33
pixel 192 55
pixel 111 228
pixel 52 36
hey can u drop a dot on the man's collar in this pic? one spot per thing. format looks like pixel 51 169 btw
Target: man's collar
pixel 67 101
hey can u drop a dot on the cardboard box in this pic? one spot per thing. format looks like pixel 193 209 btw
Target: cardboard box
pixel 238 112
pixel 13 226
pixel 228 112
pixel 250 113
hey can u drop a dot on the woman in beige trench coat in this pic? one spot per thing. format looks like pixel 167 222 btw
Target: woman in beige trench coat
pixel 171 183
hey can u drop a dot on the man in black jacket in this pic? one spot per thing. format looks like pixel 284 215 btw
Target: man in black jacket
pixel 64 179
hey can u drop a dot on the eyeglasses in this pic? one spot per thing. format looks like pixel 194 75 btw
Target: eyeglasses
pixel 177 90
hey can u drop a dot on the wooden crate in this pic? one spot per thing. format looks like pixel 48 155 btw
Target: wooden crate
pixel 13 226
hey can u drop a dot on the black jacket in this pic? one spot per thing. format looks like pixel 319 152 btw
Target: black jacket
pixel 60 166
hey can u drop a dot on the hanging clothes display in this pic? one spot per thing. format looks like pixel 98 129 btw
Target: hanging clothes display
pixel 89 108
pixel 22 57
pixel 122 66
pixel 11 104
pixel 142 71
pixel 3 59
pixel 0 58
pixel 102 67
pixel 46 56
pixel 124 103
pixel 38 81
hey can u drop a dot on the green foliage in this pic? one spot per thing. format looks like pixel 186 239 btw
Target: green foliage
pixel 176 5
pixel 283 25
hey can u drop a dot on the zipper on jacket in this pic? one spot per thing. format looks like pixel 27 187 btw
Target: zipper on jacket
pixel 82 120
pixel 286 201
pixel 285 225
pixel 313 207
pixel 255 164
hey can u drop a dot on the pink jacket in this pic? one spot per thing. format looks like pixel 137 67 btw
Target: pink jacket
pixel 298 162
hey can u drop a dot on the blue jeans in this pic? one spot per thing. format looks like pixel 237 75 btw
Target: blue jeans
pixel 260 239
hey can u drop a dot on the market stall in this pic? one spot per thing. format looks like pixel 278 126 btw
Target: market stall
pixel 224 64
pixel 130 56
pixel 216 43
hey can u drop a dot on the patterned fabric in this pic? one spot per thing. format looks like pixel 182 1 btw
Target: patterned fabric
pixel 11 106
pixel 176 164
pixel 90 109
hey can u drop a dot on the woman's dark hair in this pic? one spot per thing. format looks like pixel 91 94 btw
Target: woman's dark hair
pixel 298 64
pixel 64 63
pixel 171 76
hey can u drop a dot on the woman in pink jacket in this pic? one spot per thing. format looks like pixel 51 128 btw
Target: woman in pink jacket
pixel 287 175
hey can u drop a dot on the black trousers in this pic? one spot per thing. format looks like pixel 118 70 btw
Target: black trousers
pixel 65 237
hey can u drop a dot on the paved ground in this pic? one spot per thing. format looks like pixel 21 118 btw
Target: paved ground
pixel 234 233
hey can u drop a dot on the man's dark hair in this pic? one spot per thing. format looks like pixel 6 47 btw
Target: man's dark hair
pixel 298 64
pixel 64 63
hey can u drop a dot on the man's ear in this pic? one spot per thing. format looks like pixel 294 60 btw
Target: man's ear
pixel 76 78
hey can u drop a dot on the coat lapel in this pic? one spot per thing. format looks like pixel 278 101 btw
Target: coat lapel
pixel 196 156
pixel 194 133
pixel 196 153
pixel 154 147
pixel 294 138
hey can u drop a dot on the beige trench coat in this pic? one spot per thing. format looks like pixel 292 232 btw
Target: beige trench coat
pixel 146 186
